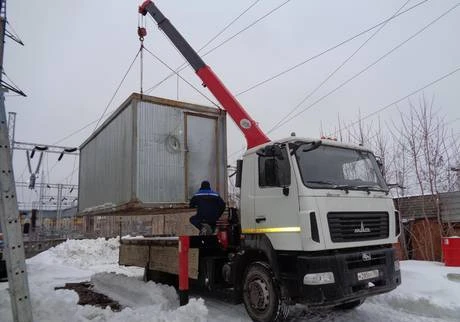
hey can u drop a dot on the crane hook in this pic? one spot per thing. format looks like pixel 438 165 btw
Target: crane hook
pixel 141 32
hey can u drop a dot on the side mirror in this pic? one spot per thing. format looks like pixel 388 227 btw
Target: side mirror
pixel 380 164
pixel 239 173
pixel 271 151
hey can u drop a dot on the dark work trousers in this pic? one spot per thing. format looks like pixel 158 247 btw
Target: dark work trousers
pixel 197 221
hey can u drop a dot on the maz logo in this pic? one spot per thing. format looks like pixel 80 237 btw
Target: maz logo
pixel 362 229
pixel 366 257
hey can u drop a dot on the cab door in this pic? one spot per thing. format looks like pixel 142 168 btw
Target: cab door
pixel 276 202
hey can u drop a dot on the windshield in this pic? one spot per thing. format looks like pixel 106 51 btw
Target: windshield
pixel 330 167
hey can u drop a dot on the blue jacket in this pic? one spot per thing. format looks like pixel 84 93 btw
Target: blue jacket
pixel 209 204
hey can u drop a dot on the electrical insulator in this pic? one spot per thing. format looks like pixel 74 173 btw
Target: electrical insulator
pixel 32 181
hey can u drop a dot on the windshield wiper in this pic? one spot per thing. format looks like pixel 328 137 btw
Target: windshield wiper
pixel 333 185
pixel 368 188
pixel 321 182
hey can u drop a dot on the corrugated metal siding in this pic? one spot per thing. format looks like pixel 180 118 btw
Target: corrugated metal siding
pixel 426 206
pixel 417 206
pixel 105 164
pixel 133 156
pixel 160 157
pixel 202 161
pixel 222 155
pixel 450 206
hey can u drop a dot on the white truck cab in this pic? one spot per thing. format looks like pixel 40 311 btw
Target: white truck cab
pixel 312 195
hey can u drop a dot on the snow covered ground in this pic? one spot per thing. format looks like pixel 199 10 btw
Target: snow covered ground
pixel 426 293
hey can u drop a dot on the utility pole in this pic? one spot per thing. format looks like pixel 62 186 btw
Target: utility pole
pixel 9 214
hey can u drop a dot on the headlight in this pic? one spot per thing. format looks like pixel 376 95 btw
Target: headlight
pixel 396 265
pixel 319 278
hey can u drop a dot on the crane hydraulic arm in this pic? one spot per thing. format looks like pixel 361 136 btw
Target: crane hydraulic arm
pixel 253 134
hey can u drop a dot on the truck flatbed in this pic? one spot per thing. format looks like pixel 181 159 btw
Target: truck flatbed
pixel 161 253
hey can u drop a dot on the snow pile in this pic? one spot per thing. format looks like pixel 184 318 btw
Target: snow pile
pixel 61 305
pixel 426 290
pixel 82 253
pixel 426 293
pixel 82 260
pixel 132 292
pixel 147 299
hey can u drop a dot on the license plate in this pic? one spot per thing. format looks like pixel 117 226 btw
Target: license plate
pixel 368 275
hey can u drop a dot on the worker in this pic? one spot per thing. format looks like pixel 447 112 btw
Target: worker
pixel 210 207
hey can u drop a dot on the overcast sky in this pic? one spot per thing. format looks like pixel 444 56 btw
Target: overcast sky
pixel 76 53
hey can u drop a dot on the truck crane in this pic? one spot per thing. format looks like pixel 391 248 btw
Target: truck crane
pixel 315 224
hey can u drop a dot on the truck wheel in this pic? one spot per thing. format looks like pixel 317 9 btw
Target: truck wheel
pixel 349 305
pixel 262 296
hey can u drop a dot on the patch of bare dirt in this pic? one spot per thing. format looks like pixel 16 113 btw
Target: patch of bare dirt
pixel 89 297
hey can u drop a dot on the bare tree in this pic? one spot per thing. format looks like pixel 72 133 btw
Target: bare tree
pixel 418 153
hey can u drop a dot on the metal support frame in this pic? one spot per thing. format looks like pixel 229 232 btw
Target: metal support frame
pixel 11 227
pixel 49 148
pixel 9 214
pixel 48 185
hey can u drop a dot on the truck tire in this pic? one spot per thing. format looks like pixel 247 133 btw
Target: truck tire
pixel 261 294
pixel 350 305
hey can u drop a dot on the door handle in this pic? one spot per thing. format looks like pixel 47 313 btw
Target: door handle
pixel 260 219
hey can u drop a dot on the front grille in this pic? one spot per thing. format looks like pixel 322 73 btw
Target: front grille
pixel 357 226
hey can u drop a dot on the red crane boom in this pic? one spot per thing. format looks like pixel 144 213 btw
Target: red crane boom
pixel 253 134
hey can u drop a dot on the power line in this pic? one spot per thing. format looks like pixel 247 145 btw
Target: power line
pixel 181 67
pixel 227 26
pixel 74 169
pixel 76 131
pixel 391 149
pixel 246 28
pixel 403 98
pixel 190 84
pixel 335 70
pixel 118 88
pixel 96 120
pixel 369 66
pixel 389 105
pixel 222 43
pixel 177 69
pixel 327 50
